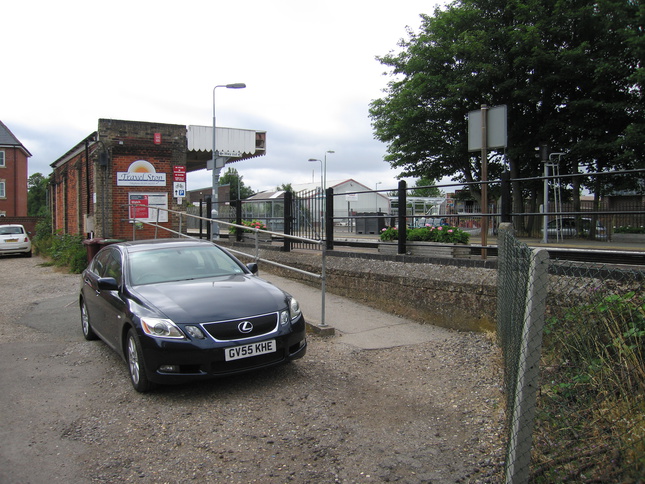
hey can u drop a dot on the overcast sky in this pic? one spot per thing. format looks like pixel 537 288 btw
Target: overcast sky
pixel 309 67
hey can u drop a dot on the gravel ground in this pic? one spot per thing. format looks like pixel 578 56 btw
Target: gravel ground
pixel 430 412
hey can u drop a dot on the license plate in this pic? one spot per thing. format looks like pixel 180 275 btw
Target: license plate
pixel 11 240
pixel 253 349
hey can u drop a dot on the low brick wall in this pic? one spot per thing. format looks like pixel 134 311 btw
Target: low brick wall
pixel 28 222
pixel 445 294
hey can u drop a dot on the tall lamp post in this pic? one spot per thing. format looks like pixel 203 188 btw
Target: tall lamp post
pixel 323 184
pixel 376 194
pixel 216 168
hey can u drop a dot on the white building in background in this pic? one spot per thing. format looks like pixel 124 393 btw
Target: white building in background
pixel 350 198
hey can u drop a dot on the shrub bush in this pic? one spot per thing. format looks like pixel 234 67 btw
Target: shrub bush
pixel 443 234
pixel 64 250
pixel 254 224
pixel 628 229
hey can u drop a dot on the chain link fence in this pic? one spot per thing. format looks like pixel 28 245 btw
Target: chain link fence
pixel 573 343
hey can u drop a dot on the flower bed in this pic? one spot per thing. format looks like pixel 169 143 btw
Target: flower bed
pixel 428 241
pixel 443 233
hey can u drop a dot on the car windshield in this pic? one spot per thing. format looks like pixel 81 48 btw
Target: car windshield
pixel 10 230
pixel 180 264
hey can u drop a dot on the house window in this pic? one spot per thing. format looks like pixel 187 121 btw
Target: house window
pixel 2 192
pixel 2 158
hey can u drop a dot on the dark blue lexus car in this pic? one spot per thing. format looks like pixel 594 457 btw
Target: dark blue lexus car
pixel 183 309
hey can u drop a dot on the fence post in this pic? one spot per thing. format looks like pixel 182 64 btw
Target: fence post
pixel 523 412
pixel 238 220
pixel 403 207
pixel 329 218
pixel 201 214
pixel 209 211
pixel 288 218
pixel 506 197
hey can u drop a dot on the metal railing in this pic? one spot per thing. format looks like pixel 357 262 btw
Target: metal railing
pixel 256 256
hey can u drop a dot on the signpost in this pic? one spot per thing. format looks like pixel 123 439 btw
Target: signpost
pixel 486 129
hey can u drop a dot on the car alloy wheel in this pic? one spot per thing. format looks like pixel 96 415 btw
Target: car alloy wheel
pixel 88 332
pixel 136 365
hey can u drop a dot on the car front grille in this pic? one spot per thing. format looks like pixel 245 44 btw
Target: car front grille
pixel 230 330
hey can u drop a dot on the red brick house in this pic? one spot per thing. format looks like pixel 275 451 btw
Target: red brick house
pixel 13 175
pixel 126 169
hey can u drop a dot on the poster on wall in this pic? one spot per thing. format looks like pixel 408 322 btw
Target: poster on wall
pixel 143 207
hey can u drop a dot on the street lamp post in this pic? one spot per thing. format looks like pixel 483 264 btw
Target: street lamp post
pixel 322 189
pixel 376 194
pixel 217 169
pixel 323 184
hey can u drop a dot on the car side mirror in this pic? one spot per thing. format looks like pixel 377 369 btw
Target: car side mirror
pixel 253 267
pixel 108 284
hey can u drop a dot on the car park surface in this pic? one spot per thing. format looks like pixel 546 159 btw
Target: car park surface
pixel 14 239
pixel 407 413
pixel 179 310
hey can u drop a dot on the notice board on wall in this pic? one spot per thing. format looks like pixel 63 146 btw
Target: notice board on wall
pixel 144 207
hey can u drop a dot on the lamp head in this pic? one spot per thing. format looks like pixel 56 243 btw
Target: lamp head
pixel 236 85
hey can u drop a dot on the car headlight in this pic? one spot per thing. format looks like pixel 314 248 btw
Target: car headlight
pixel 294 309
pixel 160 328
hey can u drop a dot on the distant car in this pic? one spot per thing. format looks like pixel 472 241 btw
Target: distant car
pixel 180 309
pixel 565 227
pixel 14 239
pixel 432 222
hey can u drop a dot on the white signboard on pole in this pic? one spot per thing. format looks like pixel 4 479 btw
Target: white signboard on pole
pixel 495 128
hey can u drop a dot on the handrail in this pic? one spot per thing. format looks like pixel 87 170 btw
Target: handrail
pixel 256 231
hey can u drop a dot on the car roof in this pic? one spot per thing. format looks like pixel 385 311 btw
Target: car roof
pixel 141 245
pixel 12 225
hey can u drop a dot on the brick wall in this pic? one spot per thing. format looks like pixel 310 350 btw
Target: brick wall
pixel 124 142
pixel 163 146
pixel 14 175
pixel 28 222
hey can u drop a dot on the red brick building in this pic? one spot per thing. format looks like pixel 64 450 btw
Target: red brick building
pixel 130 170
pixel 13 175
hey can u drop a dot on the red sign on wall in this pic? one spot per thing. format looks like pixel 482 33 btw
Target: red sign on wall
pixel 179 173
pixel 157 138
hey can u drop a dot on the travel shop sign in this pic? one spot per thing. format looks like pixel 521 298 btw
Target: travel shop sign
pixel 141 173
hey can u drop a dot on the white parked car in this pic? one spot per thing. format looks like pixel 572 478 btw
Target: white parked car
pixel 14 239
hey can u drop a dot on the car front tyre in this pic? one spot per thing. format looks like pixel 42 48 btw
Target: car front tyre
pixel 88 332
pixel 136 365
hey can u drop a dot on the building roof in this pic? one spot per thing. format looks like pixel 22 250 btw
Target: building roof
pixel 7 139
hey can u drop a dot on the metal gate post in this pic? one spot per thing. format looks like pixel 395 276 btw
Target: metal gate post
pixel 238 220
pixel 209 212
pixel 329 218
pixel 403 226
pixel 288 218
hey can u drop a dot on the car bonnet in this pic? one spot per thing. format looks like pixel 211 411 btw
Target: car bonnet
pixel 213 299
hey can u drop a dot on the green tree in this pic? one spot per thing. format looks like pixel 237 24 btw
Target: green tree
pixel 286 187
pixel 235 180
pixel 37 195
pixel 424 187
pixel 568 71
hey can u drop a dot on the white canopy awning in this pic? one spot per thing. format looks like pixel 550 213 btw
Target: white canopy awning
pixel 231 142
